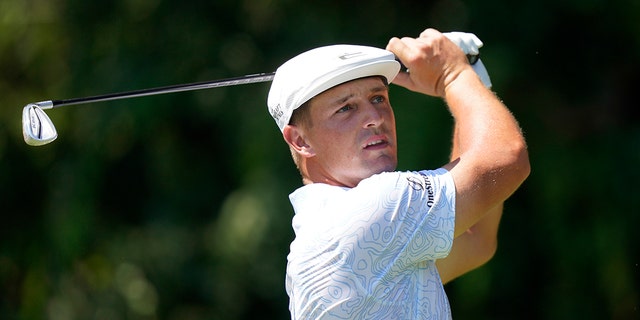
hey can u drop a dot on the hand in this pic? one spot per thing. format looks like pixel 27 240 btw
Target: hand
pixel 432 59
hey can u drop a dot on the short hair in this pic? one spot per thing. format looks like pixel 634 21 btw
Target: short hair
pixel 301 115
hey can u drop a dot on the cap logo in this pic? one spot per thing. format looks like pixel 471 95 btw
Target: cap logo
pixel 351 55
pixel 277 112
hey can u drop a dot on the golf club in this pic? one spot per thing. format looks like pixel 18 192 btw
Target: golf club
pixel 38 129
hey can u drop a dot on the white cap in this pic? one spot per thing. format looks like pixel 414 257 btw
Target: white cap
pixel 312 72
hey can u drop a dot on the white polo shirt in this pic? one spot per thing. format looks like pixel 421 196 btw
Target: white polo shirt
pixel 369 252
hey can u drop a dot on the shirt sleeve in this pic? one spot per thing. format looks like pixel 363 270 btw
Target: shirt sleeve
pixel 405 217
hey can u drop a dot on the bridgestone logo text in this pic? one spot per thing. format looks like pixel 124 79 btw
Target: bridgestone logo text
pixel 276 113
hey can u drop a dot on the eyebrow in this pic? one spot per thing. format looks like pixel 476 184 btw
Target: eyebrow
pixel 344 99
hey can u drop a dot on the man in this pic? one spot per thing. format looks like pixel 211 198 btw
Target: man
pixel 371 242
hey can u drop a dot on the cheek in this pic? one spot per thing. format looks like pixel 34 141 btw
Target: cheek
pixel 335 147
pixel 336 144
pixel 391 116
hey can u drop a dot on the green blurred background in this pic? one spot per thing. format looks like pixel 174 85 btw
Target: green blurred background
pixel 175 206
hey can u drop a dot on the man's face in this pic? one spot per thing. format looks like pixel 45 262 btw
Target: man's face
pixel 352 133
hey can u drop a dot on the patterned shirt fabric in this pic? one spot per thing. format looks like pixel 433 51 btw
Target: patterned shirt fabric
pixel 369 252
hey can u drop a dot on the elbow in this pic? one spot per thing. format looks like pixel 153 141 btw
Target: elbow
pixel 518 162
pixel 522 161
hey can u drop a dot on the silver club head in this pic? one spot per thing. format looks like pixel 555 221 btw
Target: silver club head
pixel 37 128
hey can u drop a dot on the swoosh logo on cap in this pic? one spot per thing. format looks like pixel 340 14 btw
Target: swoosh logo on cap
pixel 350 55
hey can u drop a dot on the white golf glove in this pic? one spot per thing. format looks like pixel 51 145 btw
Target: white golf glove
pixel 470 45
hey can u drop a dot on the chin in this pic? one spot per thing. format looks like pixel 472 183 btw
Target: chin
pixel 388 167
pixel 389 164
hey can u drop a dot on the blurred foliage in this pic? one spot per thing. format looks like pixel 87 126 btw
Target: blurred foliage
pixel 175 206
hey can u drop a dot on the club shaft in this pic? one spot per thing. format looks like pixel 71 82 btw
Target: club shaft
pixel 254 78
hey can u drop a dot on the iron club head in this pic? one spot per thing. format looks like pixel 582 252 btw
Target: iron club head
pixel 37 128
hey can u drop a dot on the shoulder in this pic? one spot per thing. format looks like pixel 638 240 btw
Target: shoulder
pixel 408 180
pixel 419 190
pixel 398 189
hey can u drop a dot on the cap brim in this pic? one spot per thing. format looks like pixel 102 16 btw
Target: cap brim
pixel 386 68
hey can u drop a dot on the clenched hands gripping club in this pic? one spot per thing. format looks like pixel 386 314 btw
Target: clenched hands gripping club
pixel 38 129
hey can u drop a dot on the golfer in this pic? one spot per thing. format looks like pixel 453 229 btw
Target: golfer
pixel 372 242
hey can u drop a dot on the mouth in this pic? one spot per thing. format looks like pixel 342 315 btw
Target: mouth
pixel 375 143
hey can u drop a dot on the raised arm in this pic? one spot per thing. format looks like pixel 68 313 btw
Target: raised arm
pixel 478 244
pixel 493 159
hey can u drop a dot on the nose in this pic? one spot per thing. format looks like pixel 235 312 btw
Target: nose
pixel 374 117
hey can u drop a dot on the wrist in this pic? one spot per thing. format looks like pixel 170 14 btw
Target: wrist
pixel 461 82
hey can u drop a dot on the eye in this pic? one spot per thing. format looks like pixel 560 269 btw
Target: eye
pixel 378 99
pixel 345 108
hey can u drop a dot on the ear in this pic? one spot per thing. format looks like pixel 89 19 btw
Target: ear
pixel 295 137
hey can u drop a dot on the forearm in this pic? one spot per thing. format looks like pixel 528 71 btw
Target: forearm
pixel 483 124
pixel 489 151
pixel 473 248
pixel 455 149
